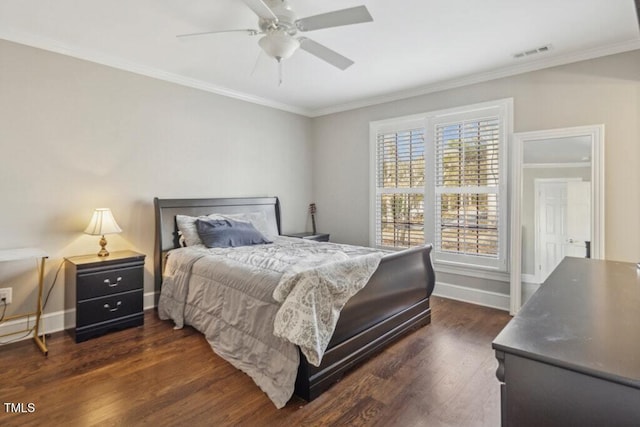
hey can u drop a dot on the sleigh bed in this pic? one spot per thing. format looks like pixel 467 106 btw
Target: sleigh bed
pixel 394 301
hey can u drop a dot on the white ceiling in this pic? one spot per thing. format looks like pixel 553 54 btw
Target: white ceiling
pixel 412 47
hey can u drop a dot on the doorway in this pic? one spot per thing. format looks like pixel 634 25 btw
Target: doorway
pixel 573 210
pixel 562 218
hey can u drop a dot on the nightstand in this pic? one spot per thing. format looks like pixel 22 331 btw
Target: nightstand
pixel 318 237
pixel 106 292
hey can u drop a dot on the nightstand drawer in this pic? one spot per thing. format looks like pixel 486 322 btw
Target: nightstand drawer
pixel 108 308
pixel 109 282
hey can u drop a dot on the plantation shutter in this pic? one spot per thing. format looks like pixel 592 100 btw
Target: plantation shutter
pixel 467 188
pixel 400 170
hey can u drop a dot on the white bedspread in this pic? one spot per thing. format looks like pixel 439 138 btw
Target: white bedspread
pixel 254 303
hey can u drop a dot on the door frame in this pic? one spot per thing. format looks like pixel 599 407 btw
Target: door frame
pixel 596 132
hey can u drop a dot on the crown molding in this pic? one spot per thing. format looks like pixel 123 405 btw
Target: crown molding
pixel 144 70
pixel 509 71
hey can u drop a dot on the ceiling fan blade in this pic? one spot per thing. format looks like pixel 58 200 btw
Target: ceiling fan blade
pixel 261 9
pixel 353 15
pixel 248 31
pixel 324 53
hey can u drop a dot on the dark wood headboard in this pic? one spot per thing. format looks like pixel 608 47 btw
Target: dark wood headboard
pixel 167 231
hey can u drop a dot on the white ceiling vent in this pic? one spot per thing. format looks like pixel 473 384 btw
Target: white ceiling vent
pixel 529 52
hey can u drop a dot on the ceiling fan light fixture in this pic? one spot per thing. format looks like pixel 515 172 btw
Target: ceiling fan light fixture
pixel 279 26
pixel 279 45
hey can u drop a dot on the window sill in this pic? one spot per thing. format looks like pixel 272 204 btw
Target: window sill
pixel 460 270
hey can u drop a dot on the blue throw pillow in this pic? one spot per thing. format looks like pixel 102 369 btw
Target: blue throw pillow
pixel 227 233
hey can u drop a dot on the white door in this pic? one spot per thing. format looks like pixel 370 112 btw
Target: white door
pixel 563 222
pixel 578 217
pixel 552 227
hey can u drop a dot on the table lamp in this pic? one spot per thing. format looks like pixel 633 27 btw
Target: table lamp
pixel 102 222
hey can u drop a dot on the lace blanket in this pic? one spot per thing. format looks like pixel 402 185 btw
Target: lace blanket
pixel 254 303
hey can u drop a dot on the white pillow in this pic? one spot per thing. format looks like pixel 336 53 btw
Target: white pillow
pixel 187 226
pixel 257 219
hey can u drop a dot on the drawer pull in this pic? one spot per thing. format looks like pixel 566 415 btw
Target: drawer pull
pixel 111 285
pixel 108 307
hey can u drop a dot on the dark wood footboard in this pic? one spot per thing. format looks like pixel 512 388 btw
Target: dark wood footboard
pixel 394 301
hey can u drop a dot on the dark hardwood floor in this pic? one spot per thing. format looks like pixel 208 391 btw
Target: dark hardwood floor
pixel 440 375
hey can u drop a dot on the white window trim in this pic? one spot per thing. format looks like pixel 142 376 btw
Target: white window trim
pixel 502 108
pixel 428 120
pixel 472 271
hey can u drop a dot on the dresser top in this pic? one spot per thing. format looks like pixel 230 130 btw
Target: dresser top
pixel 585 317
pixel 113 257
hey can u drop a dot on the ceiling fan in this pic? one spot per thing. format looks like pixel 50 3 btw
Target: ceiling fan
pixel 279 26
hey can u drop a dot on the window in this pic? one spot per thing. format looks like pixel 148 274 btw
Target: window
pixel 467 189
pixel 399 187
pixel 440 177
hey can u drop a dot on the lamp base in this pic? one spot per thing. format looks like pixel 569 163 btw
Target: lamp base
pixel 103 243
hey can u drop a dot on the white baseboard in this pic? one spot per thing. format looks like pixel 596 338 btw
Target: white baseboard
pixel 472 295
pixel 149 301
pixel 52 322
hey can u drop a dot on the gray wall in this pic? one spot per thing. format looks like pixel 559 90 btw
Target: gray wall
pixel 601 91
pixel 77 135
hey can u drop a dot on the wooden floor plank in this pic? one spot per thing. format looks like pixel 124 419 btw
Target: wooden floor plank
pixel 439 375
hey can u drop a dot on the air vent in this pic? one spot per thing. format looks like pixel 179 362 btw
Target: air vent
pixel 530 52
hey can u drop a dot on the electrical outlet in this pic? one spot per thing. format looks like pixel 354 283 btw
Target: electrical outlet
pixel 6 294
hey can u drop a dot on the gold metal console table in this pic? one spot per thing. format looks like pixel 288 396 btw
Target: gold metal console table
pixel 41 256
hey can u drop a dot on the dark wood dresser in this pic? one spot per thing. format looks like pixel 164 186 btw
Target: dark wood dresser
pixel 571 356
pixel 106 292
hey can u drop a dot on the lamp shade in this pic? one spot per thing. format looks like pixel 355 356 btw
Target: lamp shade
pixel 102 222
